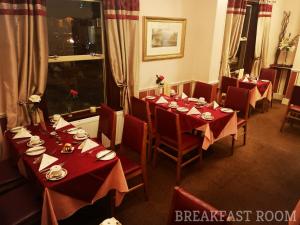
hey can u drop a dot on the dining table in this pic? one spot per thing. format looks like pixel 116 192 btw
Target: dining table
pixel 87 179
pixel 221 125
pixel 258 90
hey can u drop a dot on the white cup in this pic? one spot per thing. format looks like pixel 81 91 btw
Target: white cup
pixel 172 92
pixel 81 133
pixel 173 103
pixel 201 100
pixel 93 109
pixel 56 117
pixel 35 139
pixel 206 114
pixel 56 170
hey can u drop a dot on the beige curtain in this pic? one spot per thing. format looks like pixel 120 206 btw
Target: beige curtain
pixel 262 37
pixel 122 32
pixel 236 10
pixel 24 56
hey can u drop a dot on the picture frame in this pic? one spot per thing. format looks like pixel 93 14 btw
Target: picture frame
pixel 163 38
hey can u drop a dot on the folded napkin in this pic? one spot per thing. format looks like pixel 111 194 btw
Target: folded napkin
pixel 87 145
pixel 183 95
pixel 46 161
pixel 61 123
pixel 241 74
pixel 193 111
pixel 215 105
pixel 23 133
pixel 247 75
pixel 161 100
pixel 246 79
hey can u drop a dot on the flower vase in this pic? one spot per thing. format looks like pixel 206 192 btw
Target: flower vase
pixel 69 110
pixel 160 89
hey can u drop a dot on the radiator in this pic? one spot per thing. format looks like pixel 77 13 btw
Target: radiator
pixel 91 126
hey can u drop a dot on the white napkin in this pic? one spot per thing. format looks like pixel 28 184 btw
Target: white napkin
pixel 61 123
pixel 193 111
pixel 161 100
pixel 183 95
pixel 241 74
pixel 23 133
pixel 245 79
pixel 215 105
pixel 47 160
pixel 87 145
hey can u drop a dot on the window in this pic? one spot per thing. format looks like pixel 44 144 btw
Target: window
pixel 76 55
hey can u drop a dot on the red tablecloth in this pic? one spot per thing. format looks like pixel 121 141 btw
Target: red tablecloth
pixel 189 122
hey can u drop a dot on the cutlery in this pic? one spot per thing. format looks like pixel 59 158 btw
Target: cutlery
pixel 106 154
pixel 47 169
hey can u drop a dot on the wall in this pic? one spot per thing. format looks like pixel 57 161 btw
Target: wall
pixel 203 43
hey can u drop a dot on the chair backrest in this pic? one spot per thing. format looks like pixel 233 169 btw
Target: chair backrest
pixel 295 98
pixel 183 202
pixel 238 99
pixel 107 123
pixel 247 85
pixel 203 90
pixel 167 125
pixel 228 82
pixel 268 74
pixel 134 134
pixel 140 109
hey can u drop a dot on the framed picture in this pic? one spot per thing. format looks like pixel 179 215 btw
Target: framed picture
pixel 163 38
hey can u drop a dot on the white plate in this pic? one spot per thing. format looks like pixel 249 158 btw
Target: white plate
pixel 29 144
pixel 182 109
pixel 64 173
pixel 73 130
pixel 16 129
pixel 227 110
pixel 173 106
pixel 265 80
pixel 207 117
pixel 80 138
pixel 193 99
pixel 37 150
pixel 150 97
pixel 107 157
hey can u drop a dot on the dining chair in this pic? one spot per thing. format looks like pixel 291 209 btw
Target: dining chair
pixel 225 83
pixel 269 74
pixel 134 141
pixel 184 204
pixel 141 110
pixel 174 143
pixel 107 125
pixel 9 176
pixel 22 205
pixel 246 85
pixel 238 99
pixel 203 90
pixel 293 109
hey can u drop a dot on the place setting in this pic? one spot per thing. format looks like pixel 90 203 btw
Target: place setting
pixel 35 141
pixel 80 135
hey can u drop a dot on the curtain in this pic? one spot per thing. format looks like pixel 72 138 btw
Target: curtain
pixel 236 10
pixel 122 32
pixel 24 56
pixel 262 37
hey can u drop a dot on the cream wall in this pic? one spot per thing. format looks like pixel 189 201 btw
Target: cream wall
pixel 203 43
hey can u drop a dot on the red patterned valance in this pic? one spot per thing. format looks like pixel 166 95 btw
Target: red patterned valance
pixel 121 9
pixel 23 7
pixel 265 10
pixel 236 7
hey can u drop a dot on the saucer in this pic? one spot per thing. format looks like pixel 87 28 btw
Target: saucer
pixel 73 130
pixel 80 138
pixel 150 97
pixel 192 99
pixel 16 129
pixel 109 156
pixel 182 109
pixel 54 178
pixel 173 106
pixel 37 150
pixel 227 110
pixel 265 80
pixel 207 117
pixel 29 144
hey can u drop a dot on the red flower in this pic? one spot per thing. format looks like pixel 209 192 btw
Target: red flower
pixel 161 77
pixel 73 93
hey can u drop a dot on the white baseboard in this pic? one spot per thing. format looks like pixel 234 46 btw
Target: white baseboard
pixel 285 101
pixel 278 96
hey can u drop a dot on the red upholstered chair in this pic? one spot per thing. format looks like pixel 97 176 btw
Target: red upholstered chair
pixel 293 110
pixel 21 205
pixel 183 202
pixel 134 141
pixel 107 125
pixel 238 99
pixel 225 83
pixel 141 110
pixel 247 85
pixel 9 176
pixel 269 74
pixel 174 143
pixel 203 90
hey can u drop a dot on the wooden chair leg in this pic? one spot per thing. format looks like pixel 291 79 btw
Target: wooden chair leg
pixel 150 143
pixel 178 170
pixel 155 152
pixel 145 180
pixel 245 134
pixel 232 145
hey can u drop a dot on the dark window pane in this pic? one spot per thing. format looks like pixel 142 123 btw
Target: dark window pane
pixel 83 76
pixel 74 27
